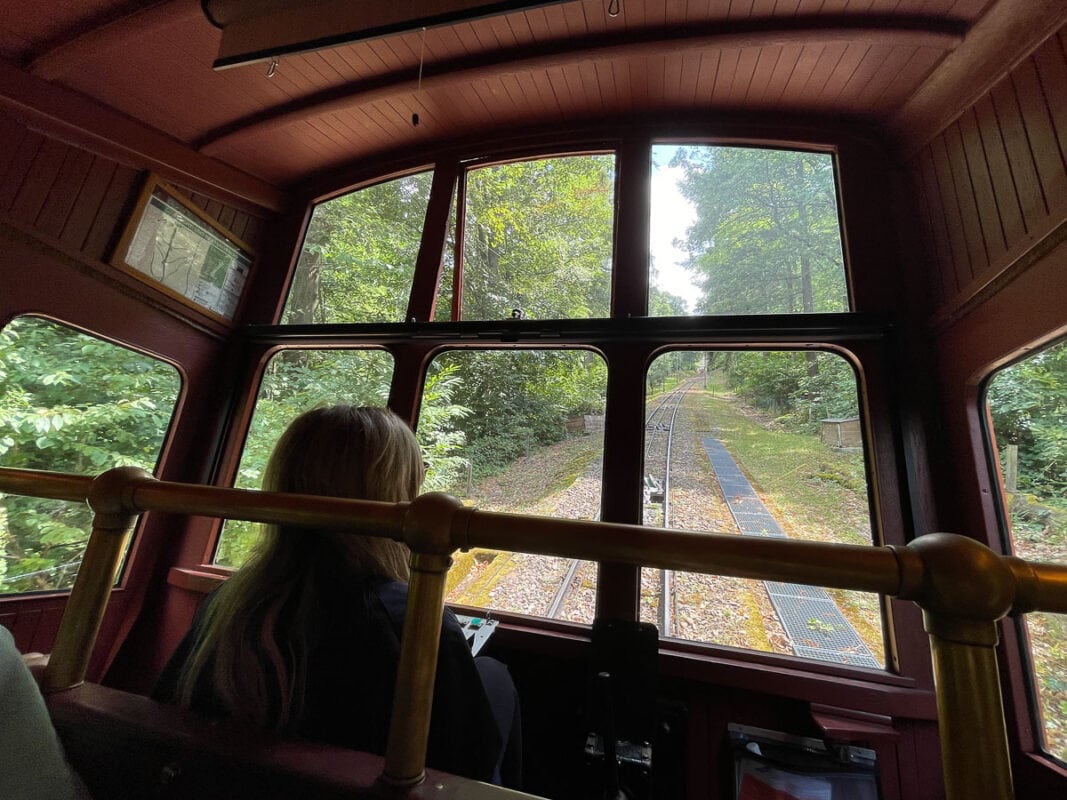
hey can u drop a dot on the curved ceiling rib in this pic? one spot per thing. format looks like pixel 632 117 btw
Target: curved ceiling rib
pixel 76 46
pixel 974 67
pixel 940 34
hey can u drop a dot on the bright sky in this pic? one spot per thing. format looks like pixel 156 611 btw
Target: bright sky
pixel 671 215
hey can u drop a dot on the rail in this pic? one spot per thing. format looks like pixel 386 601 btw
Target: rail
pixel 962 586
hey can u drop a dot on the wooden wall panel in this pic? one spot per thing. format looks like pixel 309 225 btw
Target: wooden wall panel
pixel 59 204
pixel 994 182
pixel 67 194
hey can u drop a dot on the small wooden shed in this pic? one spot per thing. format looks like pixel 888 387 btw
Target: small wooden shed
pixel 842 432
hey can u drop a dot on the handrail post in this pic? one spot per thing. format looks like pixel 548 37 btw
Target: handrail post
pixel 110 497
pixel 963 589
pixel 428 526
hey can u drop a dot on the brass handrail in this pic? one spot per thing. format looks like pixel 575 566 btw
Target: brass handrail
pixel 963 587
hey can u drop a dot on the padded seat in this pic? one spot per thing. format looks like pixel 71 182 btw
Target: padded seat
pixel 126 746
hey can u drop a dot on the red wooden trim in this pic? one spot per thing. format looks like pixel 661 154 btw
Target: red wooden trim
pixel 200 581
pixel 73 117
pixel 630 278
pixel 460 244
pixel 559 54
pixel 431 248
pixel 65 193
pixel 1005 35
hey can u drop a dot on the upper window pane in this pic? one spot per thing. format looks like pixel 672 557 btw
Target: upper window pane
pixel 741 230
pixel 70 402
pixel 1028 406
pixel 759 444
pixel 359 255
pixel 537 239
pixel 296 381
pixel 519 431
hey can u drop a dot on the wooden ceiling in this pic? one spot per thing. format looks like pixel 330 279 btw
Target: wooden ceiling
pixel 899 63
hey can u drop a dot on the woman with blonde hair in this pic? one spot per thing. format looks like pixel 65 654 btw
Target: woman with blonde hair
pixel 304 639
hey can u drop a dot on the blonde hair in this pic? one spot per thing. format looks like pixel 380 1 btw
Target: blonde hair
pixel 253 647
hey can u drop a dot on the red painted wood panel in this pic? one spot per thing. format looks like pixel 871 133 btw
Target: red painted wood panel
pixel 38 181
pixel 19 168
pixel 997 176
pixel 1017 146
pixel 80 221
pixel 936 230
pixel 972 226
pixel 982 185
pixel 1040 131
pixel 11 133
pixel 65 192
pixel 110 213
pixel 1051 62
pixel 1008 208
pixel 959 266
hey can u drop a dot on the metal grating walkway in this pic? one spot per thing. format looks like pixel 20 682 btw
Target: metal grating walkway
pixel 815 625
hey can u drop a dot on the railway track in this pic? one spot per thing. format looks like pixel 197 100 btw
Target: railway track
pixel 659 439
pixel 659 433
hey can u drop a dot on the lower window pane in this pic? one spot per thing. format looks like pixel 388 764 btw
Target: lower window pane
pixel 296 381
pixel 518 431
pixel 759 444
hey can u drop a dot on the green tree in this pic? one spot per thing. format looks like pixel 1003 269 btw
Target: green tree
pixel 359 255
pixel 538 238
pixel 70 402
pixel 518 400
pixel 766 240
pixel 766 237
pixel 1028 404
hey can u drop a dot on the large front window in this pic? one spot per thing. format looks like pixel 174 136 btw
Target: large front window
pixel 295 381
pixel 744 230
pixel 762 444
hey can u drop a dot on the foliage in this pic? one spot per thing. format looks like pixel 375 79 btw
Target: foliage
pixel 799 388
pixel 70 402
pixel 766 239
pixel 1028 405
pixel 538 238
pixel 661 370
pixel 359 255
pixel 519 399
pixel 296 381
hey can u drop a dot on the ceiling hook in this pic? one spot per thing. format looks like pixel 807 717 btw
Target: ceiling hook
pixel 272 68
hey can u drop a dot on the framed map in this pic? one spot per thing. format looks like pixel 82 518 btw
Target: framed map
pixel 176 246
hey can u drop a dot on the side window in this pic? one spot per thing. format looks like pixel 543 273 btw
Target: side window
pixel 744 230
pixel 537 239
pixel 519 431
pixel 70 402
pixel 358 259
pixel 1027 404
pixel 765 444
pixel 295 381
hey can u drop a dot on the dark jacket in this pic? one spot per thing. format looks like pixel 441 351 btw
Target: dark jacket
pixel 352 663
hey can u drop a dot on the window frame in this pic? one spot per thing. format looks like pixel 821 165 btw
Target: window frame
pixel 465 167
pixel 1005 539
pixel 122 578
